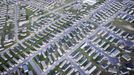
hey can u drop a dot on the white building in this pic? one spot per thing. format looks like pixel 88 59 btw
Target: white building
pixel 90 2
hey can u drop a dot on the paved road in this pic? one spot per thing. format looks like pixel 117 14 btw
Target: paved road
pixel 31 56
pixel 128 42
pixel 114 15
pixel 111 59
pixel 75 65
pixel 57 37
pixel 72 49
pixel 53 11
pixel 32 34
pixel 52 66
pixel 16 20
pixel 36 68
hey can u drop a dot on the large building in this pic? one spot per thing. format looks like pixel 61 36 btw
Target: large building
pixel 90 2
